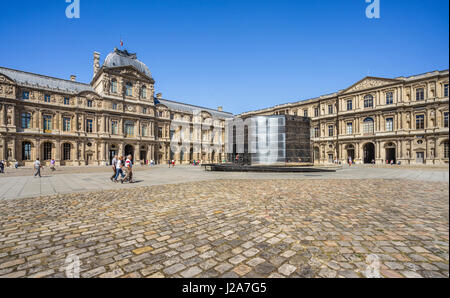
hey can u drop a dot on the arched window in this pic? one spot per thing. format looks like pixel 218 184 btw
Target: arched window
pixel 113 86
pixel 368 125
pixel 47 151
pixel 129 89
pixel 368 101
pixel 26 151
pixel 66 151
pixel 144 92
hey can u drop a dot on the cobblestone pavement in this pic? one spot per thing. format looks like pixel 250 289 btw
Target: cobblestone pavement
pixel 97 178
pixel 232 228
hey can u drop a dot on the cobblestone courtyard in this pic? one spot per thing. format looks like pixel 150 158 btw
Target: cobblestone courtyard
pixel 232 228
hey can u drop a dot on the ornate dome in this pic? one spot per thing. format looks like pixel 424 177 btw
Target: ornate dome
pixel 123 58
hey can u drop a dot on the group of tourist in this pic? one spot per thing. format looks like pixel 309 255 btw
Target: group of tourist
pixel 122 167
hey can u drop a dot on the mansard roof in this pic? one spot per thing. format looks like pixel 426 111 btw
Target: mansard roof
pixel 33 80
pixel 191 109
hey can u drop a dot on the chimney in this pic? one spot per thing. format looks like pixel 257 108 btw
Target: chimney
pixel 73 78
pixel 220 109
pixel 96 62
pixel 159 95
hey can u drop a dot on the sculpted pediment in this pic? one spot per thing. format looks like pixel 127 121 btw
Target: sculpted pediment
pixel 4 79
pixel 129 71
pixel 369 83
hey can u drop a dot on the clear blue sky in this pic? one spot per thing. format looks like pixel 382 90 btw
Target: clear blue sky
pixel 240 54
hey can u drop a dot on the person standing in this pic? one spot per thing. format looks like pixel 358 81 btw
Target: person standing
pixel 37 167
pixel 173 163
pixel 2 167
pixel 114 165
pixel 16 164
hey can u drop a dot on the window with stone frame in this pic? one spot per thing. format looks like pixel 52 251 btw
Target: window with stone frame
pixel 390 124
pixel 113 86
pixel 316 132
pixel 47 98
pixel 389 98
pixel 144 92
pixel 316 112
pixel 129 129
pixel 445 90
pixel 47 151
pixel 349 128
pixel 66 101
pixel 26 120
pixel 129 89
pixel 47 123
pixel 114 127
pixel 330 130
pixel 368 101
pixel 330 109
pixel 90 103
pixel 420 94
pixel 368 126
pixel 305 113
pixel 25 95
pixel 89 125
pixel 144 130
pixel 420 121
pixel 66 124
pixel 349 105
pixel 66 151
pixel 445 119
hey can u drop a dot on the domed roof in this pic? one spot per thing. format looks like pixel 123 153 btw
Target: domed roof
pixel 123 58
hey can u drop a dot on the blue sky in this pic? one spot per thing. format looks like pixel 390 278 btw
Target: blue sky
pixel 242 55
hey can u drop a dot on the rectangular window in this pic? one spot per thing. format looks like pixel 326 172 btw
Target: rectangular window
pixel 446 90
pixel 349 128
pixel 305 113
pixel 316 132
pixel 389 124
pixel 330 130
pixel 349 105
pixel 129 129
pixel 66 101
pixel 66 124
pixel 114 106
pixel 47 98
pixel 25 95
pixel 446 119
pixel 47 124
pixel 330 109
pixel 89 125
pixel 144 110
pixel 160 132
pixel 420 121
pixel 389 98
pixel 144 130
pixel 171 116
pixel 89 103
pixel 420 94
pixel 114 128
pixel 316 112
pixel 26 120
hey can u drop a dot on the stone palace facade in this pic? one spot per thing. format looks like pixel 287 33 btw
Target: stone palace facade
pixel 379 120
pixel 87 124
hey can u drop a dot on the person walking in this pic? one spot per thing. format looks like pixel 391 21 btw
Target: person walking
pixel 173 163
pixel 52 165
pixel 128 170
pixel 114 167
pixel 37 167
pixel 119 170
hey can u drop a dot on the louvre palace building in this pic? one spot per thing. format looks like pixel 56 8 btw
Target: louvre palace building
pixel 87 124
pixel 379 120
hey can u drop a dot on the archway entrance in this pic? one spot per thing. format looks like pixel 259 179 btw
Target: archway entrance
pixel 129 150
pixel 369 152
pixel 390 155
pixel 351 155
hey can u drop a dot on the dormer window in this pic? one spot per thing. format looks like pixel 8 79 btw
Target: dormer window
pixel 368 101
pixel 25 95
pixel 129 89
pixel 113 86
pixel 144 92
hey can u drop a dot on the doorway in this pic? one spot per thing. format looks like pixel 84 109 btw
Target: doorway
pixel 369 153
pixel 129 150
pixel 390 155
pixel 420 157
